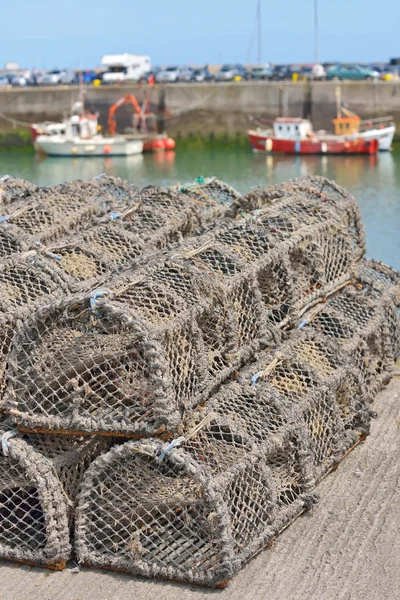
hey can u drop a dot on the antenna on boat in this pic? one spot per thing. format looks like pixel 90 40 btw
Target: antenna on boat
pixel 256 32
pixel 338 94
pixel 259 52
pixel 316 36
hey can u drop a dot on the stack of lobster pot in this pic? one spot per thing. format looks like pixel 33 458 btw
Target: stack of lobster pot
pixel 54 242
pixel 246 357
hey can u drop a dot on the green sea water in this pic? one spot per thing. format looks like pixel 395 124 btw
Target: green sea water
pixel 374 180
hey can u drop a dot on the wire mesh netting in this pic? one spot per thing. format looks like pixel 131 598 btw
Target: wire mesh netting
pixel 131 361
pixel 308 188
pixel 14 191
pixel 193 514
pixel 203 311
pixel 157 219
pixel 245 343
pixel 39 479
pixel 198 507
pixel 209 190
pixel 25 284
pixel 40 215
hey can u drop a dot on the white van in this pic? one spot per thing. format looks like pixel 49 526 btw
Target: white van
pixel 124 67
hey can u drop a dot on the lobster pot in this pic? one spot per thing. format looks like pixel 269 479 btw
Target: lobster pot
pixel 157 218
pixel 25 283
pixel 363 319
pixel 202 312
pixel 45 214
pixel 281 389
pixel 14 192
pixel 195 513
pixel 291 263
pixel 209 190
pixel 164 216
pixel 308 189
pixel 384 281
pixel 132 361
pixel 39 478
pixel 83 265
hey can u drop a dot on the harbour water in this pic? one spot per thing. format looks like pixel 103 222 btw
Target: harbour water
pixel 374 180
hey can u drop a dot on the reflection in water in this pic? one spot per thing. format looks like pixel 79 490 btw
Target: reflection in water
pixel 374 180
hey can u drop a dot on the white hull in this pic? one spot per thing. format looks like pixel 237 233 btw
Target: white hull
pixel 384 136
pixel 57 145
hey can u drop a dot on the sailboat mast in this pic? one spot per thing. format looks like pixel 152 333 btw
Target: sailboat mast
pixel 316 36
pixel 259 51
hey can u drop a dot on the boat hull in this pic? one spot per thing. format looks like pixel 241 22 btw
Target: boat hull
pixel 270 144
pixel 384 135
pixel 56 146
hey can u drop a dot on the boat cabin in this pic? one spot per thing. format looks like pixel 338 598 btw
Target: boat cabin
pixel 346 125
pixel 81 126
pixel 292 129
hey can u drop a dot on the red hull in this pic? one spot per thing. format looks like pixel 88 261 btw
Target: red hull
pixel 263 143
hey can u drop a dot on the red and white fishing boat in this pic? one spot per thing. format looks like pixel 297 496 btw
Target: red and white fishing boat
pixel 296 136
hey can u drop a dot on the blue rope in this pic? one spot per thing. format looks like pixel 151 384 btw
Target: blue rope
pixel 4 218
pixel 115 215
pixel 99 176
pixel 94 295
pixel 52 255
pixel 177 442
pixel 302 324
pixel 256 377
pixel 47 253
pixel 5 446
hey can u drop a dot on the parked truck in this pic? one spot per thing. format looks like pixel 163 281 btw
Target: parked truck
pixel 124 67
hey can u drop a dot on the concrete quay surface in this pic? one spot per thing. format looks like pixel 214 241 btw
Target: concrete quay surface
pixel 210 107
pixel 346 548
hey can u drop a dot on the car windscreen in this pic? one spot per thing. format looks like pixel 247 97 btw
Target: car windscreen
pixel 171 69
pixel 227 68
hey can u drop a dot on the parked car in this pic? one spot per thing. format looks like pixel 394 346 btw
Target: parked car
pixel 57 76
pixel 20 81
pixel 86 76
pixel 68 76
pixel 261 72
pixel 201 75
pixel 351 72
pixel 281 72
pixel 231 72
pixel 4 80
pixel 312 72
pixel 185 74
pixel 390 73
pixel 23 79
pixel 153 73
pixel 170 74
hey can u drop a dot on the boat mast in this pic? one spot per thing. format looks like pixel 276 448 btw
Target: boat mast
pixel 316 37
pixel 259 52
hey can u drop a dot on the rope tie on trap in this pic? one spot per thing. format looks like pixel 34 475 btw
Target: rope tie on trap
pixel 5 446
pixel 94 296
pixel 311 316
pixel 185 438
pixel 47 252
pixel 194 251
pixel 277 360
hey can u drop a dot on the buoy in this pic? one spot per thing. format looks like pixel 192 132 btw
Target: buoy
pixel 169 144
pixel 158 145
pixel 107 149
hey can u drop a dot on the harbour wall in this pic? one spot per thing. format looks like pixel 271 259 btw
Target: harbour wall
pixel 208 108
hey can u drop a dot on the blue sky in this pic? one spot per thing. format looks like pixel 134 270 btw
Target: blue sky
pixel 76 33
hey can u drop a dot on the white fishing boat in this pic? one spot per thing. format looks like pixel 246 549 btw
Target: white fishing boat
pixel 382 130
pixel 80 137
pixel 352 127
